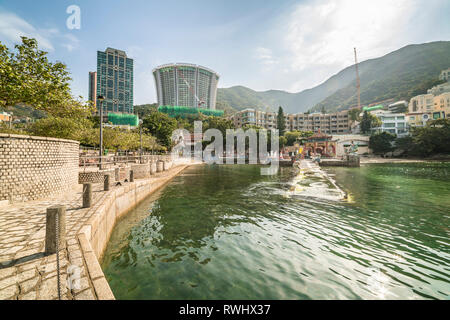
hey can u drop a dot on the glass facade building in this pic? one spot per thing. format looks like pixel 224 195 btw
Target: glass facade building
pixel 187 85
pixel 115 80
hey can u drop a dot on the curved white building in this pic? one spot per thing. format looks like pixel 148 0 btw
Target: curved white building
pixel 187 85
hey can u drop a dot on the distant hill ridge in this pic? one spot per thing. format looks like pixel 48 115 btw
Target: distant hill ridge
pixel 399 75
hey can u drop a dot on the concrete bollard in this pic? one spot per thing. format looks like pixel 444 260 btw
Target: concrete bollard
pixel 51 230
pixel 131 176
pixel 160 166
pixel 117 174
pixel 106 182
pixel 166 165
pixel 153 168
pixel 87 195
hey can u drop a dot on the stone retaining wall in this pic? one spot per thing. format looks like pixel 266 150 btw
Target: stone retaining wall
pixel 36 167
pixel 141 171
pixel 95 233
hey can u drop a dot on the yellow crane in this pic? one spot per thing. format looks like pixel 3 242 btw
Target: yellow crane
pixel 358 87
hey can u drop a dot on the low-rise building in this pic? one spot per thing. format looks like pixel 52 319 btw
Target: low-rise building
pixel 445 75
pixel 439 89
pixel 441 109
pixel 420 110
pixel 395 123
pixel 331 123
pixel 428 107
pixel 5 117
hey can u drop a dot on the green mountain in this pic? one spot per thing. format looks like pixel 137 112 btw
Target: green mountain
pixel 398 75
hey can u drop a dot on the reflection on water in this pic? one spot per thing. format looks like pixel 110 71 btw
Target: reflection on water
pixel 226 232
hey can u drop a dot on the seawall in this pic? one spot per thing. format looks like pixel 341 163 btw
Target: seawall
pixel 95 233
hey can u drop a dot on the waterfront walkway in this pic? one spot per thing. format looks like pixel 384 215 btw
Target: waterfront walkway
pixel 26 273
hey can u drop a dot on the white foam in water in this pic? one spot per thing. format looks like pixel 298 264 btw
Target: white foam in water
pixel 313 182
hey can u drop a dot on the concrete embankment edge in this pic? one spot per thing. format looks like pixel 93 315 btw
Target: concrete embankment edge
pixel 95 233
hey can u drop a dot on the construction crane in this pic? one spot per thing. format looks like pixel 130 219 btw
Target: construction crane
pixel 200 102
pixel 358 86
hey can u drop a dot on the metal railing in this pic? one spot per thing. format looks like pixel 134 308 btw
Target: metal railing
pixel 110 161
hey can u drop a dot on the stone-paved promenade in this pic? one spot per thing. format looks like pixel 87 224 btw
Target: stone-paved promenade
pixel 26 273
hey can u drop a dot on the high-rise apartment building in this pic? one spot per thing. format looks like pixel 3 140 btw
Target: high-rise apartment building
pixel 186 85
pixel 93 87
pixel 114 81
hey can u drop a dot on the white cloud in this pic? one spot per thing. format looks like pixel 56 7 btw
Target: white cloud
pixel 71 42
pixel 265 56
pixel 12 27
pixel 315 39
pixel 324 32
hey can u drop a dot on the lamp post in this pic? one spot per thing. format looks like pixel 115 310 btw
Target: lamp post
pixel 140 136
pixel 100 99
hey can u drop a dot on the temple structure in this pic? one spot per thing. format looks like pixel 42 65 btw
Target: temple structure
pixel 320 143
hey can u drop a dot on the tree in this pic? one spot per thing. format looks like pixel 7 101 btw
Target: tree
pixel 282 142
pixel 145 109
pixel 64 128
pixel 381 142
pixel 281 124
pixel 354 114
pixel 161 126
pixel 26 76
pixel 293 136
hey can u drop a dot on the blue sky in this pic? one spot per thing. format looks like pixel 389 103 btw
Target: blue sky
pixel 262 44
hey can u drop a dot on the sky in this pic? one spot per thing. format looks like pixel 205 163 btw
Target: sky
pixel 287 45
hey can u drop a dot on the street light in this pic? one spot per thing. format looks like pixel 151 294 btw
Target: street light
pixel 100 99
pixel 140 134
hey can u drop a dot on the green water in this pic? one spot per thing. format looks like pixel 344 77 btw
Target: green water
pixel 226 232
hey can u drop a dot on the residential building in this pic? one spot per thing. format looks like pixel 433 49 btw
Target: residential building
pixel 439 89
pixel 92 96
pixel 426 107
pixel 441 107
pixel 5 117
pixel 186 85
pixel 114 81
pixel 398 107
pixel 395 123
pixel 331 123
pixel 445 75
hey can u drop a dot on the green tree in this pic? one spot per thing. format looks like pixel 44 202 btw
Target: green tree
pixel 293 136
pixel 282 142
pixel 365 123
pixel 381 142
pixel 354 114
pixel 64 128
pixel 26 76
pixel 281 124
pixel 368 122
pixel 161 126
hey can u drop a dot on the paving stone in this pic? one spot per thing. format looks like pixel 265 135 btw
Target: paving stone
pixel 25 275
pixel 29 296
pixel 9 292
pixel 28 285
pixel 7 272
pixel 85 295
pixel 48 289
pixel 6 282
